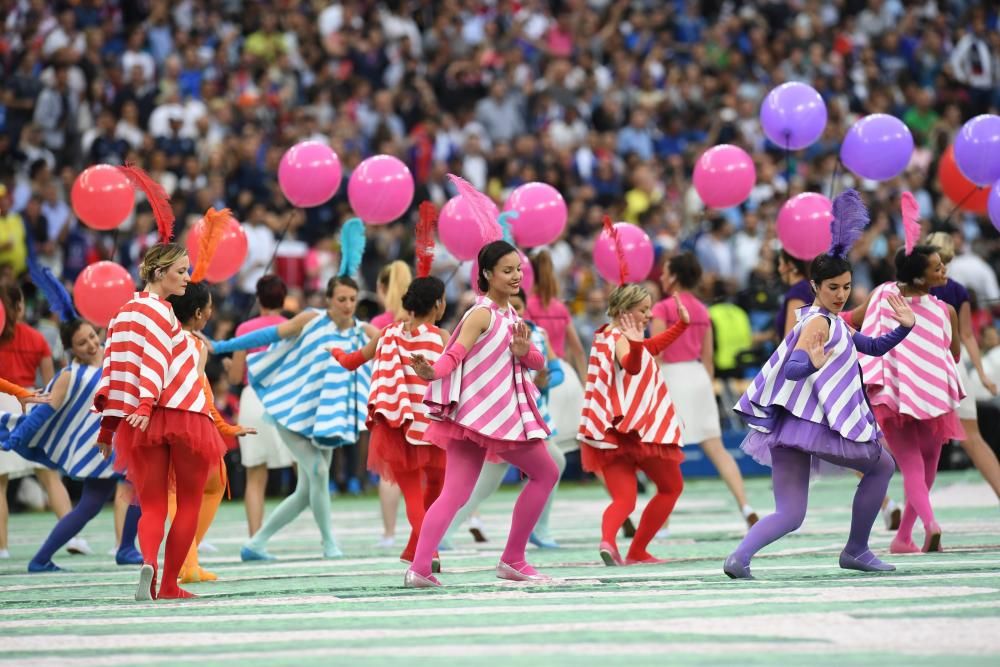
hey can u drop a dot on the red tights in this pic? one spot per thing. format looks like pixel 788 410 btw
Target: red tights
pixel 420 489
pixel 620 480
pixel 150 472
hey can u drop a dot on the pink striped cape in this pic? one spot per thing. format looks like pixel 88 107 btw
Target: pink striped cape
pixel 490 392
pixel 918 377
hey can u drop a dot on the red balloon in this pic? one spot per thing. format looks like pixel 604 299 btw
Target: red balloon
pixel 957 187
pixel 229 254
pixel 101 290
pixel 102 197
pixel 3 316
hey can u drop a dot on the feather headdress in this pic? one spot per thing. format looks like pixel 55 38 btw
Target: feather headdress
pixel 505 230
pixel 352 246
pixel 911 221
pixel 60 302
pixel 425 239
pixel 158 198
pixel 850 217
pixel 215 225
pixel 612 233
pixel 482 209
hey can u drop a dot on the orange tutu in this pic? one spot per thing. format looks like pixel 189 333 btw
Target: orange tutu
pixel 631 449
pixel 388 450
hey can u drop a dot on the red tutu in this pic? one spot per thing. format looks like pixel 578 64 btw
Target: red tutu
pixel 388 450
pixel 630 449
pixel 906 430
pixel 446 433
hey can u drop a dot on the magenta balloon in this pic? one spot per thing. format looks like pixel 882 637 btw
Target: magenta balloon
pixel 309 174
pixel 460 232
pixel 877 147
pixel 804 225
pixel 638 251
pixel 993 205
pixel 793 115
pixel 541 212
pixel 724 176
pixel 977 149
pixel 527 274
pixel 380 189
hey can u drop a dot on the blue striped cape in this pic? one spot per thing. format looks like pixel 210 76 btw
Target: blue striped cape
pixel 67 441
pixel 306 391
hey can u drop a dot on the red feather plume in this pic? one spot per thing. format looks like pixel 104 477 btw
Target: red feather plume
pixel 425 238
pixel 609 227
pixel 215 225
pixel 158 198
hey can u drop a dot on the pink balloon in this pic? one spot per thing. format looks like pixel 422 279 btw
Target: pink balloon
pixel 527 274
pixel 804 225
pixel 309 174
pixel 541 214
pixel 229 254
pixel 638 251
pixel 460 232
pixel 380 189
pixel 102 197
pixel 101 290
pixel 724 176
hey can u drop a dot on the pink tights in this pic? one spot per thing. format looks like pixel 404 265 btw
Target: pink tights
pixel 918 461
pixel 465 462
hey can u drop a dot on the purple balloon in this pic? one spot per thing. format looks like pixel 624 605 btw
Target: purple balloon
pixel 993 205
pixel 977 149
pixel 877 147
pixel 793 115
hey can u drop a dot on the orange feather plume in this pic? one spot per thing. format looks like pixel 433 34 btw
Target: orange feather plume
pixel 215 225
pixel 158 198
pixel 619 251
pixel 425 238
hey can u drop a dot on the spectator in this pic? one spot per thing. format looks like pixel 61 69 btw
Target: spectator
pixel 501 114
pixel 13 248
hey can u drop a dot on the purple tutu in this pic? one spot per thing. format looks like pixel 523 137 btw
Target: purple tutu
pixel 811 438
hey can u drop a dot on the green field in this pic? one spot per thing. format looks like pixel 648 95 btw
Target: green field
pixel 802 610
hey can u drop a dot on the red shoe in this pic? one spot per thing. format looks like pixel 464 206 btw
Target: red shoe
pixel 610 556
pixel 175 593
pixel 648 560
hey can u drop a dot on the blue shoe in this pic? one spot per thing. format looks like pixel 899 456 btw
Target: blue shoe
pixel 35 567
pixel 354 486
pixel 128 556
pixel 543 543
pixel 866 562
pixel 332 551
pixel 734 569
pixel 247 554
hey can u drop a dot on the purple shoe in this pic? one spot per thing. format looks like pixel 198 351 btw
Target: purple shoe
pixel 734 569
pixel 866 562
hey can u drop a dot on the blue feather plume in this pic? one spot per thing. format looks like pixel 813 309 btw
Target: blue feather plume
pixel 850 217
pixel 60 302
pixel 508 235
pixel 352 246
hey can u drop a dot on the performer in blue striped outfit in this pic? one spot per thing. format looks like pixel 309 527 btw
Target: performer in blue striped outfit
pixel 63 435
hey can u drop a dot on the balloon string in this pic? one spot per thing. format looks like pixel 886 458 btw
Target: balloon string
pixel 974 190
pixel 452 275
pixel 788 162
pixel 833 181
pixel 274 255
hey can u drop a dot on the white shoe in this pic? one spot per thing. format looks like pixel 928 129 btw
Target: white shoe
pixel 79 546
pixel 4 554
pixel 386 542
pixel 207 548
pixel 891 515
pixel 663 533
pixel 113 551
pixel 478 529
pixel 749 516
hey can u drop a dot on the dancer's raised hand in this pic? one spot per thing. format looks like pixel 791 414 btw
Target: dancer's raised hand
pixel 631 328
pixel 682 312
pixel 422 368
pixel 902 312
pixel 817 355
pixel 520 344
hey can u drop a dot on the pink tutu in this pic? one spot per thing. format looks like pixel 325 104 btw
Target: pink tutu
pixel 446 434
pixel 904 430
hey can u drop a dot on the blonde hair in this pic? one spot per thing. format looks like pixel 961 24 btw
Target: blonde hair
pixel 160 257
pixel 395 279
pixel 625 298
pixel 944 243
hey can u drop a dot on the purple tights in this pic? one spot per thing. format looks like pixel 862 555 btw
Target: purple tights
pixel 790 477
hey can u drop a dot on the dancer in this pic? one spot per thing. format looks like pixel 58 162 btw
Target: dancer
pixel 162 431
pixel 794 273
pixel 915 390
pixel 317 405
pixel 266 451
pixel 955 295
pixel 397 417
pixel 629 422
pixel 808 404
pixel 687 368
pixel 493 474
pixel 484 406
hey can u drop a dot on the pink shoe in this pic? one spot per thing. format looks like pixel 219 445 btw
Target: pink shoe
pixel 610 556
pixel 933 540
pixel 520 572
pixel 651 560
pixel 414 580
pixel 897 546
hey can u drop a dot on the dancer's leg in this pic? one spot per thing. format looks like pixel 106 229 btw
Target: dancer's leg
pixel 913 465
pixel 215 488
pixel 4 512
pixel 190 474
pixel 465 462
pixel 619 478
pixel 489 481
pixel 408 482
pixel 96 492
pixel 981 455
pixel 867 499
pixel 56 490
pixel 559 458
pixel 388 498
pixel 669 484
pixel 790 478
pixel 149 473
pixel 728 470
pixel 433 483
pixel 129 527
pixel 253 497
pixel 536 463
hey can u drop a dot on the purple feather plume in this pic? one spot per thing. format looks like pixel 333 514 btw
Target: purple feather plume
pixel 60 302
pixel 850 217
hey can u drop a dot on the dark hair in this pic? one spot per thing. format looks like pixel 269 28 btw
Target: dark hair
pixel 214 369
pixel 546 285
pixel 196 295
pixel 271 292
pixel 826 266
pixel 913 266
pixel 801 265
pixel 686 268
pixel 422 295
pixel 489 255
pixel 11 297
pixel 68 329
pixel 346 281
